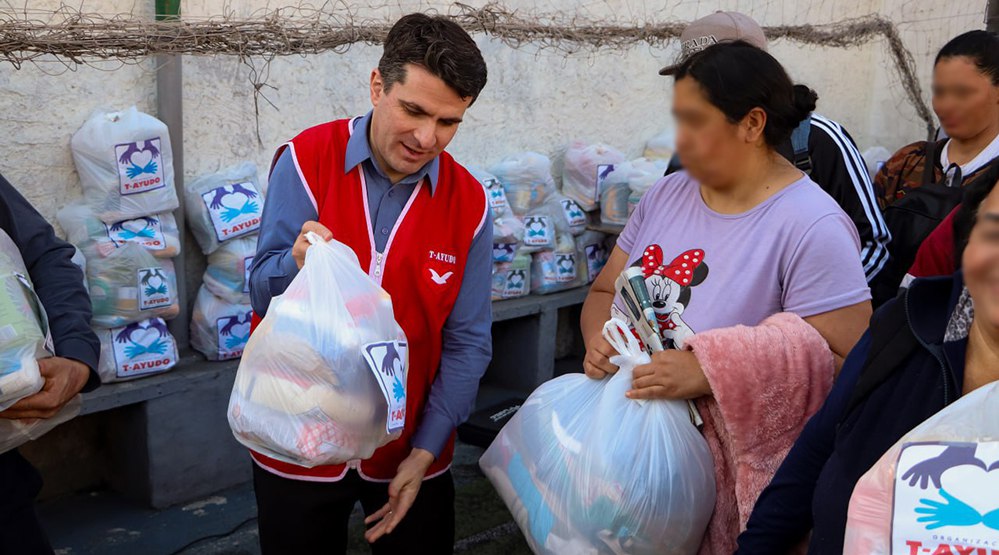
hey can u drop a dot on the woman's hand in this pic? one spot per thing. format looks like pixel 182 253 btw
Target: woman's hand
pixel 671 375
pixel 597 364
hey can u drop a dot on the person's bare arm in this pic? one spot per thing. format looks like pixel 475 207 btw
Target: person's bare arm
pixel 596 312
pixel 842 328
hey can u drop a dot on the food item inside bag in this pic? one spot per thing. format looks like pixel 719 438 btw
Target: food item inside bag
pixel 228 272
pixel 577 470
pixel 24 328
pixel 512 279
pixel 508 228
pixel 614 194
pixel 157 233
pixel 585 166
pixel 125 163
pixel 937 489
pixel 15 433
pixel 555 270
pixel 136 350
pixel 661 147
pixel 323 387
pixel 219 329
pixel 129 285
pixel 591 256
pixel 224 205
pixel 527 180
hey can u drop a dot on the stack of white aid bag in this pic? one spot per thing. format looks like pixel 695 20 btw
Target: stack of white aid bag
pixel 128 236
pixel 223 211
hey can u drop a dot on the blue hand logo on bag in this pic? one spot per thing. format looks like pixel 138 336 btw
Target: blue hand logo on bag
pixel 145 164
pixel 516 280
pixel 387 360
pixel 537 227
pixel 566 264
pixel 230 328
pixel 230 213
pixel 144 339
pixel 153 281
pixel 234 209
pixel 126 230
pixel 573 212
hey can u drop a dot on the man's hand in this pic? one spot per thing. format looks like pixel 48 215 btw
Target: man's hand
pixel 302 244
pixel 671 375
pixel 402 493
pixel 64 378
pixel 596 363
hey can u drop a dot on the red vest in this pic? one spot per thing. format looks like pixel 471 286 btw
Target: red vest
pixel 421 268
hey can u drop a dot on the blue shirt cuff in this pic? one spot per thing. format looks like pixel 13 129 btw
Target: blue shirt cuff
pixel 433 433
pixel 289 269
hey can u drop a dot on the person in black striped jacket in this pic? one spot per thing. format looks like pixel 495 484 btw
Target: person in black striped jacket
pixel 832 159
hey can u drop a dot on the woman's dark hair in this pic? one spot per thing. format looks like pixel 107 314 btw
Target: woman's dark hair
pixel 967 212
pixel 438 45
pixel 737 77
pixel 981 47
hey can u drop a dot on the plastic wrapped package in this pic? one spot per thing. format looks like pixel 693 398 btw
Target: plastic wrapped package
pixel 585 166
pixel 937 488
pixel 224 205
pixel 585 470
pixel 645 173
pixel 555 270
pixel 508 228
pixel 24 334
pixel 512 279
pixel 129 285
pixel 661 147
pixel 219 329
pixel 125 164
pixel 494 190
pixel 567 213
pixel 504 252
pixel 591 256
pixel 15 433
pixel 136 350
pixel 614 194
pixel 228 272
pixel 323 387
pixel 527 180
pixel 157 233
pixel 81 263
pixel 874 158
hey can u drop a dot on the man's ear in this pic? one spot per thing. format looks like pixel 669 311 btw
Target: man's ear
pixel 377 87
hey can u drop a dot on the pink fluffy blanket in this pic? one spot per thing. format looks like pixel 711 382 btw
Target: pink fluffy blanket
pixel 766 381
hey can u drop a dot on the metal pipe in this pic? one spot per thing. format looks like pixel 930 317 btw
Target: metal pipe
pixel 170 110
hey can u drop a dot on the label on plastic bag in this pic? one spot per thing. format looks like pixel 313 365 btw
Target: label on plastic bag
pixel 538 231
pixel 234 209
pixel 142 348
pixel 387 360
pixel 946 499
pixel 146 231
pixel 233 332
pixel 154 289
pixel 140 166
pixel 496 194
pixel 247 264
pixel 516 284
pixel 504 252
pixel 596 259
pixel 603 170
pixel 573 213
pixel 565 267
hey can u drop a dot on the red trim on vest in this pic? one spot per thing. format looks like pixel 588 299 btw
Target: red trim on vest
pixel 422 269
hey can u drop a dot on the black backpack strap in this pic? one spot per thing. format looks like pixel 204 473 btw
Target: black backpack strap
pixel 929 169
pixel 892 341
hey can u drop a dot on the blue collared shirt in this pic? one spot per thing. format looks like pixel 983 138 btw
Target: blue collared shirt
pixel 467 339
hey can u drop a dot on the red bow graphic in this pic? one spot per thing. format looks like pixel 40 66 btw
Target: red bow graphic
pixel 681 270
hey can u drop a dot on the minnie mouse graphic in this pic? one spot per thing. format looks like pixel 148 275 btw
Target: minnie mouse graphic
pixel 669 287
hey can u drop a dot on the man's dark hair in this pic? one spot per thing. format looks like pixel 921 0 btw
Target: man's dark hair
pixel 438 45
pixel 737 77
pixel 981 47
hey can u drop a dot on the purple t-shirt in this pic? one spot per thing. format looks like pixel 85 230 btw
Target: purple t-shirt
pixel 795 252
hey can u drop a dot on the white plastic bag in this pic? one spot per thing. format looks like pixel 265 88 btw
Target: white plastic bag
pixel 661 147
pixel 81 263
pixel 129 285
pixel 874 158
pixel 219 329
pixel 323 386
pixel 125 164
pixel 567 213
pixel 585 166
pixel 24 328
pixel 228 272
pixel 555 270
pixel 614 194
pixel 136 350
pixel 157 233
pixel 224 205
pixel 645 173
pixel 591 256
pixel 527 180
pixel 15 433
pixel 949 468
pixel 585 470
pixel 512 279
pixel 495 193
pixel 508 228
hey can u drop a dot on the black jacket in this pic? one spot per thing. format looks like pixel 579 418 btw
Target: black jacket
pixel 857 424
pixel 57 280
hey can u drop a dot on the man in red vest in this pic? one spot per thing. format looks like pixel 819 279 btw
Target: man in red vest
pixel 419 223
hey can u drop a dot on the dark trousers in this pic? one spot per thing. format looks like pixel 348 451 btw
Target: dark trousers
pixel 20 531
pixel 307 518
